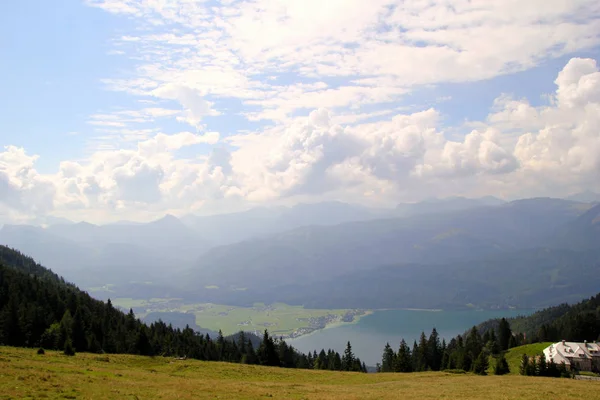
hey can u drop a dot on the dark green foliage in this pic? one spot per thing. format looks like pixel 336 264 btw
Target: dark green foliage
pixel 403 358
pixel 41 351
pixel 537 366
pixel 348 358
pixel 267 354
pixel 388 359
pixel 523 367
pixel 69 349
pixel 501 367
pixel 504 334
pixel 576 322
pixel 481 364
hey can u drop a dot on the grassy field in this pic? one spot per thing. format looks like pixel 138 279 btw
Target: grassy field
pixel 26 375
pixel 514 355
pixel 279 319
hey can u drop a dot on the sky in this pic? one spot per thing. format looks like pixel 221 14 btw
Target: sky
pixel 132 109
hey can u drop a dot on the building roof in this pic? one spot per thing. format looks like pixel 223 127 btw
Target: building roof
pixel 564 351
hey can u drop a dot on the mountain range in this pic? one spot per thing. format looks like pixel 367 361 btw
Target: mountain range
pixel 439 253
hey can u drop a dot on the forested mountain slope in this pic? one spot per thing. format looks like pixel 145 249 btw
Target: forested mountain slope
pixel 320 253
pixel 524 279
pixel 577 322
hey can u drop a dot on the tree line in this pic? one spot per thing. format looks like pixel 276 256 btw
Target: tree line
pixel 469 352
pixel 538 366
pixel 577 322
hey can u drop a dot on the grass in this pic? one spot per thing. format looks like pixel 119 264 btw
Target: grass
pixel 26 375
pixel 514 355
pixel 279 318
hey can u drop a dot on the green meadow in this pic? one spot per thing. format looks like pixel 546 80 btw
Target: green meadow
pixel 26 375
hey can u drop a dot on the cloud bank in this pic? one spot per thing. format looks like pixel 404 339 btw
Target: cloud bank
pixel 318 85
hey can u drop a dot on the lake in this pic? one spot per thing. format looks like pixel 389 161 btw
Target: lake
pixel 370 334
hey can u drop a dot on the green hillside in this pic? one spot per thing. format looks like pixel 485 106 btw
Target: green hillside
pixel 26 375
pixel 513 356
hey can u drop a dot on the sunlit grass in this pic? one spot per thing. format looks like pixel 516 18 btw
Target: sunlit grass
pixel 24 374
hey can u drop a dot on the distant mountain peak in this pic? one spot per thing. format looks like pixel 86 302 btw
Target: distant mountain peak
pixel 169 220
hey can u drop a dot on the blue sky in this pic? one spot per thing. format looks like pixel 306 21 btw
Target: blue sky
pixel 370 103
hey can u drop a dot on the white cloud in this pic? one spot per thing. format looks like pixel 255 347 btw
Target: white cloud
pixel 321 81
pixel 360 53
pixel 518 150
pixel 21 186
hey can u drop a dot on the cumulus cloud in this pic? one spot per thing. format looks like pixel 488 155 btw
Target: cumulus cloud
pixel 317 85
pixel 279 57
pixel 21 186
pixel 517 150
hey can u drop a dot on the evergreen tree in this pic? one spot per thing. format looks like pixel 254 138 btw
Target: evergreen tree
pixel 542 367
pixel 387 360
pixel 251 357
pixel 267 354
pixel 481 363
pixel 348 358
pixel 422 353
pixel 415 356
pixel 434 351
pixel 553 370
pixel 501 367
pixel 504 334
pixel 523 367
pixel 403 359
pixel 69 349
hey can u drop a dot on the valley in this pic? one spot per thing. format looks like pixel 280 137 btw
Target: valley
pixel 280 319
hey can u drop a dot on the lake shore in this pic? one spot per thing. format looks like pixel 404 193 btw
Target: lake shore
pixel 303 332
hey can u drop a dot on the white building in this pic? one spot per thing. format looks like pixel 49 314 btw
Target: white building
pixel 581 356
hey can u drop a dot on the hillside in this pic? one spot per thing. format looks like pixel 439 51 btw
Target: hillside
pixel 524 279
pixel 27 375
pixel 581 234
pixel 318 253
pixel 514 355
pixel 576 322
pixel 96 255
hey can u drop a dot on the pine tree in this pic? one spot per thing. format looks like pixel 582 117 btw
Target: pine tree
pixel 523 368
pixel 69 350
pixel 434 351
pixel 501 367
pixel 542 366
pixel 387 360
pixel 415 357
pixel 348 358
pixel 267 353
pixel 403 359
pixel 504 334
pixel 422 353
pixel 251 357
pixel 481 363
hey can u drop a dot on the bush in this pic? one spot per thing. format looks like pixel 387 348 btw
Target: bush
pixel 501 367
pixel 481 364
pixel 455 371
pixel 41 351
pixel 69 349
